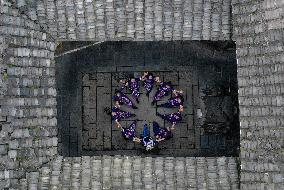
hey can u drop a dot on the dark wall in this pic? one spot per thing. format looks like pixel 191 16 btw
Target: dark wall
pixel 152 54
pixel 68 105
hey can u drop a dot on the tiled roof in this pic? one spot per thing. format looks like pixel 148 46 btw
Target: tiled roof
pixel 120 172
pixel 131 20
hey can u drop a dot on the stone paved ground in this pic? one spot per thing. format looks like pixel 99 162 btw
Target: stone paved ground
pixel 123 173
pixel 100 136
pixel 87 79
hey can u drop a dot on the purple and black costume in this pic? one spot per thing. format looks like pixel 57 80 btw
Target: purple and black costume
pixel 164 89
pixel 123 99
pixel 134 88
pixel 119 114
pixel 173 102
pixel 149 83
pixel 172 118
pixel 129 133
pixel 161 132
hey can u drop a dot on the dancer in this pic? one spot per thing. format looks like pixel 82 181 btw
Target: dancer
pixel 175 101
pixel 120 98
pixel 164 89
pixel 148 80
pixel 118 114
pixel 129 133
pixel 146 140
pixel 133 85
pixel 173 117
pixel 161 133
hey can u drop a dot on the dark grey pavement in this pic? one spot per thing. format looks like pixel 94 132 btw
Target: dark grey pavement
pixel 87 80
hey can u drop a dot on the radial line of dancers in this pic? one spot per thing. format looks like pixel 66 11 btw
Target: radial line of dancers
pixel 164 89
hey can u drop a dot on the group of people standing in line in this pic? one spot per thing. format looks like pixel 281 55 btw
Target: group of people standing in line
pixel 164 89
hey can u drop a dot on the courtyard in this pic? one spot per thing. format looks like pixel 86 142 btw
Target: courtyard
pixel 210 120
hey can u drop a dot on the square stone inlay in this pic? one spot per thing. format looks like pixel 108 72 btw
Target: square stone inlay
pixel 99 131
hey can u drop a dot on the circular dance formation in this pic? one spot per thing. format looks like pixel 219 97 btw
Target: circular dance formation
pixel 148 81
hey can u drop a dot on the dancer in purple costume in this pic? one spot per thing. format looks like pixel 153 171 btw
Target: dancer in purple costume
pixel 173 117
pixel 148 80
pixel 120 98
pixel 164 89
pixel 161 133
pixel 175 101
pixel 133 85
pixel 118 114
pixel 129 133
